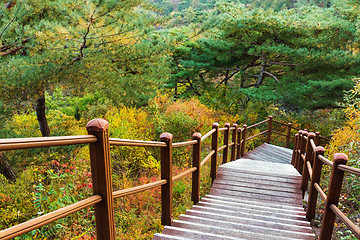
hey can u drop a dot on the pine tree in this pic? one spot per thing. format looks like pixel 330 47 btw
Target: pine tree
pixel 84 46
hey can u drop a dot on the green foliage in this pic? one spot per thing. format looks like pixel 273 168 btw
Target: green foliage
pixel 300 57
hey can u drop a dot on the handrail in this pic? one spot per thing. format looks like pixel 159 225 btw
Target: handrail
pixel 38 222
pixel 345 220
pixel 256 124
pixel 183 144
pixel 137 189
pixel 38 142
pixel 349 169
pixel 183 174
pixel 208 134
pixel 137 143
pixel 326 161
pixel 256 135
pixel 207 158
pixel 308 159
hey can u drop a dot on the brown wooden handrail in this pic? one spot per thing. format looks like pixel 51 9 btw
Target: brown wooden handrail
pixel 38 222
pixel 38 142
pixel 256 124
pixel 135 143
pixel 308 159
pixel 137 189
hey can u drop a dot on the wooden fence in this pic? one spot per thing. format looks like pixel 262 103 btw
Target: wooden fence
pixel 103 194
pixel 308 159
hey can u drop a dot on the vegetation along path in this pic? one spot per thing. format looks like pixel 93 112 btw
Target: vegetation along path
pixel 255 197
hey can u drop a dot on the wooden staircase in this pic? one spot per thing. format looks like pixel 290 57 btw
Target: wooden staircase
pixel 255 197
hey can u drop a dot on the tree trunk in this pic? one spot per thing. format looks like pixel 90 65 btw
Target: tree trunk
pixel 6 169
pixel 261 75
pixel 40 114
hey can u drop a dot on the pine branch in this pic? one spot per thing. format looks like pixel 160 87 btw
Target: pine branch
pixel 9 5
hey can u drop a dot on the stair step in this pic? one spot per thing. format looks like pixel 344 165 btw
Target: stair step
pixel 258 184
pixel 160 236
pixel 262 168
pixel 297 221
pixel 242 174
pixel 194 234
pixel 252 202
pixel 226 231
pixel 255 196
pixel 270 192
pixel 247 227
pixel 245 209
pixel 291 226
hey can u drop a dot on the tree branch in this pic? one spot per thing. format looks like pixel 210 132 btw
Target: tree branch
pixel 272 75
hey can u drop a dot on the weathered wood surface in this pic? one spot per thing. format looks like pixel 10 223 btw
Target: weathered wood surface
pixel 256 197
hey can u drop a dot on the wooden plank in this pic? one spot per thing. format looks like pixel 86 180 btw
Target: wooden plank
pixel 260 175
pixel 248 220
pixel 300 221
pixel 259 185
pixel 262 192
pixel 274 180
pixel 259 229
pixel 258 197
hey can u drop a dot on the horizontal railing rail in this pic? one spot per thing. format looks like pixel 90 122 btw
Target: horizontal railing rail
pixel 135 143
pixel 308 159
pixel 39 142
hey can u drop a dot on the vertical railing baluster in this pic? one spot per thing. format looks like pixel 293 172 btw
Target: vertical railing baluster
pixel 214 147
pixel 195 195
pixel 317 139
pixel 316 174
pixel 243 140
pixel 295 151
pixel 288 135
pixel 270 123
pixel 226 143
pixel 101 178
pixel 308 156
pixel 297 157
pixel 302 151
pixel 238 144
pixel 333 196
pixel 233 140
pixel 166 173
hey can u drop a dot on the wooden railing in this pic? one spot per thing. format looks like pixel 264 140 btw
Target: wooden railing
pixel 103 194
pixel 308 159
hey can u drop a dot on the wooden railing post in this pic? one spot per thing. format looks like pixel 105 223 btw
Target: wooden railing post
pixel 298 146
pixel 333 196
pixel 288 134
pixel 195 195
pixel 214 147
pixel 233 140
pixel 270 123
pixel 238 144
pixel 166 173
pixel 308 157
pixel 302 151
pixel 317 139
pixel 295 151
pixel 226 142
pixel 316 174
pixel 101 178
pixel 243 140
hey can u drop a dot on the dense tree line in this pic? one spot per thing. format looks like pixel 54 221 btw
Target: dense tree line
pixel 301 54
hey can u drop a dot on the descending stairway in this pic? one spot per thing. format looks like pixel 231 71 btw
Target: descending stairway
pixel 255 197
